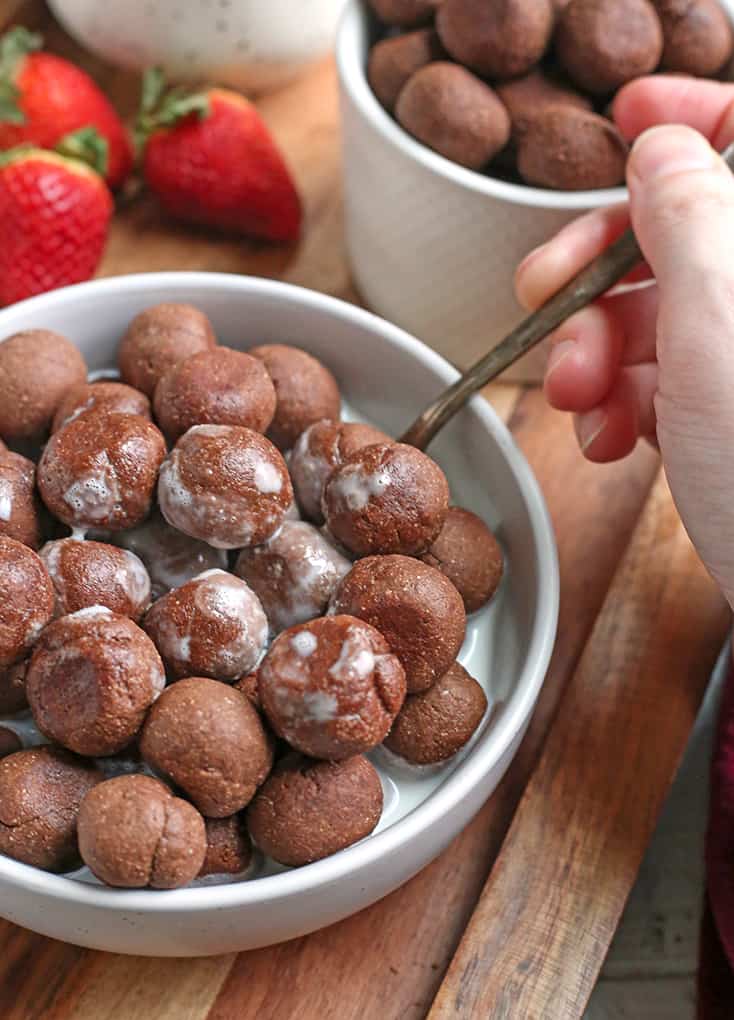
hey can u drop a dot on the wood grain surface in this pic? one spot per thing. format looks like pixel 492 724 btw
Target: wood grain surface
pixel 389 961
pixel 579 834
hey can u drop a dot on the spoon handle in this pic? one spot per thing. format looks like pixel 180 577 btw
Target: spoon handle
pixel 590 283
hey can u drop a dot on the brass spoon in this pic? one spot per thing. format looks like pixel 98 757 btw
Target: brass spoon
pixel 590 283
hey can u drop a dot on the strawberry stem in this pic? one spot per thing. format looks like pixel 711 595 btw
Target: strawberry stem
pixel 15 45
pixel 87 145
pixel 164 108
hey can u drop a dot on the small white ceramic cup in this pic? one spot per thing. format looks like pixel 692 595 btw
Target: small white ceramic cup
pixel 247 44
pixel 433 246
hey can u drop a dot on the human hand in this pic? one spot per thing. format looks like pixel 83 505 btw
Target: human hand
pixel 658 362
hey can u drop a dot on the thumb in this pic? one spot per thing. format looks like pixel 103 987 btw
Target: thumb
pixel 682 210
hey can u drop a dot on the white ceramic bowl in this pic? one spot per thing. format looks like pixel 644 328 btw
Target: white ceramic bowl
pixel 434 246
pixel 386 376
pixel 248 44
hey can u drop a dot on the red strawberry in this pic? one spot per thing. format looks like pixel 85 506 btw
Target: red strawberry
pixel 43 98
pixel 54 213
pixel 210 159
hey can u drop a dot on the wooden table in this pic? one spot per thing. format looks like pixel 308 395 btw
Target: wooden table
pixel 515 918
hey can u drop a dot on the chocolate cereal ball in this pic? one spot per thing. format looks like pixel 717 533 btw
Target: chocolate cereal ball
pixel 602 45
pixel 414 606
pixel 212 626
pixel 228 847
pixel 20 507
pixel 100 470
pixel 468 554
pixel 91 396
pixel 697 36
pixel 225 485
pixel 450 110
pixel 209 739
pixel 294 574
pixel 96 574
pixel 249 686
pixel 10 742
pixel 26 600
pixel 159 338
pixel 12 689
pixel 405 13
pixel 394 59
pixel 434 725
pixel 387 498
pixel 331 687
pixel 306 391
pixel 91 679
pixel 571 150
pixel 40 793
pixel 37 368
pixel 528 96
pixel 134 833
pixel 170 557
pixel 216 387
pixel 320 449
pixel 501 39
pixel 308 810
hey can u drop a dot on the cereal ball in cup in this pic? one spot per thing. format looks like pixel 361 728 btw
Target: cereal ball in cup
pixel 134 833
pixel 20 507
pixel 104 394
pixel 209 739
pixel 96 574
pixel 214 625
pixel 416 608
pixel 294 574
pixel 91 680
pixel 467 552
pixel 26 600
pixel 306 391
pixel 216 387
pixel 41 790
pixel 225 485
pixel 228 847
pixel 434 725
pixel 308 810
pixel 331 687
pixel 37 369
pixel 100 470
pixel 388 498
pixel 159 338
pixel 320 449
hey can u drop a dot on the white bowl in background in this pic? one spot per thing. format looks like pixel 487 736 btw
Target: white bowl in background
pixel 248 44
pixel 386 377
pixel 434 246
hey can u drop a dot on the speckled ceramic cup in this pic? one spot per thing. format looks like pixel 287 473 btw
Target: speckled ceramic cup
pixel 248 44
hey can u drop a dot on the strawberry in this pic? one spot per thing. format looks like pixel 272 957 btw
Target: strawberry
pixel 210 159
pixel 54 214
pixel 43 98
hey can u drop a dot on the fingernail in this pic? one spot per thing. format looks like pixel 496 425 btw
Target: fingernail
pixel 589 427
pixel 530 257
pixel 560 351
pixel 666 150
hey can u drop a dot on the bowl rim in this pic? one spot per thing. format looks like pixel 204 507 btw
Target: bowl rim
pixel 468 773
pixel 351 65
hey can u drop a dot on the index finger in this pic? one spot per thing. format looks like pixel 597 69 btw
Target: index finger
pixel 707 106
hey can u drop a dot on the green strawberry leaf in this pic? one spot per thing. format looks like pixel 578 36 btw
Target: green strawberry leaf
pixel 10 112
pixel 16 44
pixel 162 108
pixel 154 85
pixel 87 145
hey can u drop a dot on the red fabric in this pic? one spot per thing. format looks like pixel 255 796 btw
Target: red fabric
pixel 716 974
